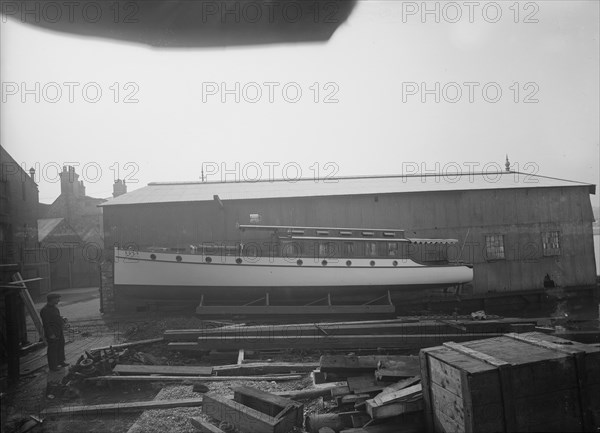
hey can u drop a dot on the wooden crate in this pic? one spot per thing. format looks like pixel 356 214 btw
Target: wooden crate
pixel 513 383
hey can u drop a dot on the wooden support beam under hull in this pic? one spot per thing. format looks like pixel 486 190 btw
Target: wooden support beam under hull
pixel 311 308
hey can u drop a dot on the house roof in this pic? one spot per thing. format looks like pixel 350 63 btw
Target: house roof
pixel 172 192
pixel 56 230
pixel 45 227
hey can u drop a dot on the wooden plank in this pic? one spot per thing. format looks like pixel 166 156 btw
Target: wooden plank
pixel 323 342
pixel 138 406
pixel 174 334
pixel 270 404
pixel 448 403
pixel 265 368
pixel 587 416
pixel 339 391
pixel 365 384
pixel 531 339
pixel 130 344
pixel 192 378
pixel 167 370
pixel 396 403
pixel 310 329
pixel 243 418
pixel 400 385
pixel 467 403
pixel 257 394
pixel 394 409
pixel 388 397
pixel 205 426
pixel 26 298
pixel 307 393
pixel 453 324
pixel 18 282
pixel 426 385
pixel 508 404
pixel 391 374
pixel 341 363
pixel 475 354
pixel 445 375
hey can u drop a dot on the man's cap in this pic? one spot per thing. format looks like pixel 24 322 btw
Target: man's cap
pixel 52 296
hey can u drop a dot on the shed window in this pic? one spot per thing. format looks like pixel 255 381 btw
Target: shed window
pixel 551 243
pixel 494 247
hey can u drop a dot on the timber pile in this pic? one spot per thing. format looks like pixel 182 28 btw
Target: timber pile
pixel 360 404
pixel 407 333
pixel 368 404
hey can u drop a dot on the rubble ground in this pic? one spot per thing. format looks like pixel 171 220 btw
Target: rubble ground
pixel 174 420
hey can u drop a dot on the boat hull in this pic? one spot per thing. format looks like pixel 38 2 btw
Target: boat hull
pixel 176 275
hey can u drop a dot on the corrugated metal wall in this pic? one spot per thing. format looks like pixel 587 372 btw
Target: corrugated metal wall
pixel 518 214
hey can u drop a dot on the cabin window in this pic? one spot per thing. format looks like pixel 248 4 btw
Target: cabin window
pixel 349 249
pixel 433 252
pixel 392 249
pixel 370 248
pixel 494 247
pixel 290 249
pixel 551 243
pixel 326 249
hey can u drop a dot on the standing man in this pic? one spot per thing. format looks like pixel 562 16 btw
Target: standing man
pixel 53 330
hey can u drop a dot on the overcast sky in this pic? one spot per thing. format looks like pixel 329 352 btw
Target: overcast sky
pixel 371 71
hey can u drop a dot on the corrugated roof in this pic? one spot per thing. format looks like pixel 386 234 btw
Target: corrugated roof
pixel 205 191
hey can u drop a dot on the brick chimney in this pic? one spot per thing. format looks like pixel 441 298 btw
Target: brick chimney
pixel 69 182
pixel 119 188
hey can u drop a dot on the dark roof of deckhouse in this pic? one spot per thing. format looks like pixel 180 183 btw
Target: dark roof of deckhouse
pixel 172 192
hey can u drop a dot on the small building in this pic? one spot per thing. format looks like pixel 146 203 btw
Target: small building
pixel 73 260
pixel 517 229
pixel 71 234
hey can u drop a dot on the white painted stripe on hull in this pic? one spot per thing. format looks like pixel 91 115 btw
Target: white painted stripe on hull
pixel 193 271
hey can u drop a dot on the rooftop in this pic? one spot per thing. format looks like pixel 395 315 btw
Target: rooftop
pixel 171 192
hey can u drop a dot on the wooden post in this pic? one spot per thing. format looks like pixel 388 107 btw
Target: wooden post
pixel 26 297
pixel 12 337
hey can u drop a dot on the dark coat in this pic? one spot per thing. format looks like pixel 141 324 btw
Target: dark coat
pixel 53 323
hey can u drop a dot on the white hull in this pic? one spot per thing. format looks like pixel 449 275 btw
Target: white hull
pixel 133 268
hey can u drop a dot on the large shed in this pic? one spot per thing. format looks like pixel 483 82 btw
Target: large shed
pixel 515 228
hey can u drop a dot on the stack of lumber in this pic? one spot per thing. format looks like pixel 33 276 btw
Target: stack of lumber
pixel 407 333
pixel 364 402
pixel 196 374
pixel 385 367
